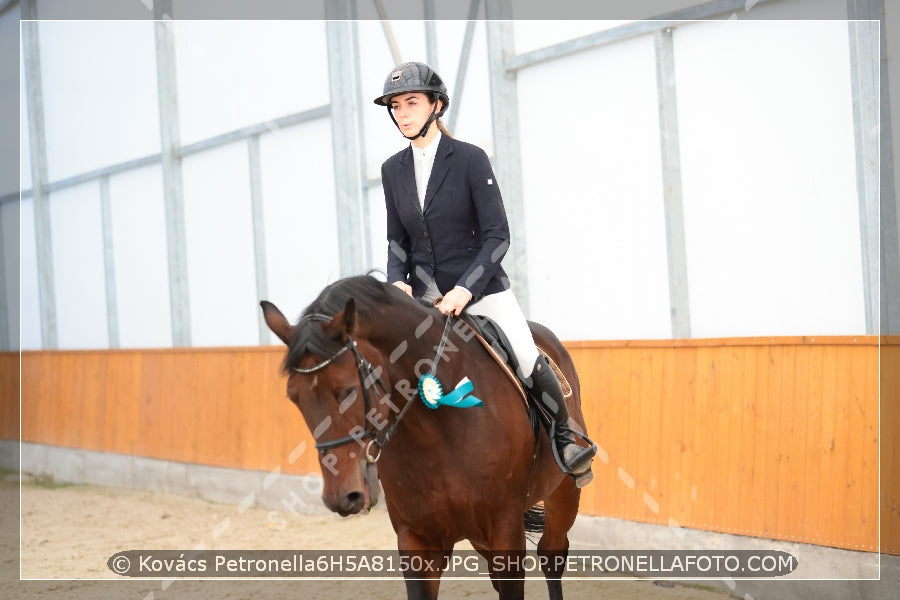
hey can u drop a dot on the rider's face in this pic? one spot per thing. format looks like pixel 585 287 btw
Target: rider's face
pixel 412 111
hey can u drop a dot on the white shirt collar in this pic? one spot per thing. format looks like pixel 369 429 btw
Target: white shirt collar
pixel 428 151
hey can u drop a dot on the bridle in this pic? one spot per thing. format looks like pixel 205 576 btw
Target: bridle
pixel 369 378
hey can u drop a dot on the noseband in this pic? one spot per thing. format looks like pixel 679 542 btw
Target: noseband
pixel 369 377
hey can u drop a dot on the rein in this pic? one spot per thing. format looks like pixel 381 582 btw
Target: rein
pixel 369 377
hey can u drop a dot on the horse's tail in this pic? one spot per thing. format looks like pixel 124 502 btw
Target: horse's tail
pixel 535 519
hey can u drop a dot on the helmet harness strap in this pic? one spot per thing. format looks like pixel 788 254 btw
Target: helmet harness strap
pixel 424 129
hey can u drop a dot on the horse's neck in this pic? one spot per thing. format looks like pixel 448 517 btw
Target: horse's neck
pixel 409 339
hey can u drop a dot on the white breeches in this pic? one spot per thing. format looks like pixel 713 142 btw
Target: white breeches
pixel 504 309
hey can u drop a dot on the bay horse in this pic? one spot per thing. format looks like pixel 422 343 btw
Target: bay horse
pixel 352 364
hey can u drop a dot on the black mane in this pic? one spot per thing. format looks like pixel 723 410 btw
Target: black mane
pixel 309 337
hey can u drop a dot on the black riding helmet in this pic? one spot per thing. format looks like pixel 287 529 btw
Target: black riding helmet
pixel 414 77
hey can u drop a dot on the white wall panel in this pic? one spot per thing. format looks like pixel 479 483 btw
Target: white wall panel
pixel 78 267
pixel 141 262
pixel 100 98
pixel 220 259
pixel 593 194
pixel 235 73
pixel 30 305
pixel 770 200
pixel 300 216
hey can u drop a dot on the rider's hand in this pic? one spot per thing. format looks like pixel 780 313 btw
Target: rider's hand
pixel 405 287
pixel 455 301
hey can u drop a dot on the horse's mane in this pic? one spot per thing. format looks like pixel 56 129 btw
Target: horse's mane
pixel 369 294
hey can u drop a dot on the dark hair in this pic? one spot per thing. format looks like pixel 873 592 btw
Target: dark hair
pixel 434 98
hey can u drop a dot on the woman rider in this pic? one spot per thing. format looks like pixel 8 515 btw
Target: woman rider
pixel 447 233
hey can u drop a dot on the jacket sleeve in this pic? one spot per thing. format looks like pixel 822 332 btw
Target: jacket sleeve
pixel 492 223
pixel 398 255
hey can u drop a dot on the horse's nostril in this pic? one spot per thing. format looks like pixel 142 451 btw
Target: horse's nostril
pixel 352 503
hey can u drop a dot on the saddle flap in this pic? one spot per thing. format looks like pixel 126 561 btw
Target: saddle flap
pixel 491 336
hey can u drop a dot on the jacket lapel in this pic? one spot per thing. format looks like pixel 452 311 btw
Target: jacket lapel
pixel 439 169
pixel 407 177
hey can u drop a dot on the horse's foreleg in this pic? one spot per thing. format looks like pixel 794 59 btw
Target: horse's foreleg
pixel 561 508
pixel 506 560
pixel 422 566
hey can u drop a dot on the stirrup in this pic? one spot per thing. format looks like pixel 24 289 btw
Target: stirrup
pixel 587 453
pixel 578 460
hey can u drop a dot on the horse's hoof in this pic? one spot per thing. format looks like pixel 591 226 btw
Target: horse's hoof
pixel 583 479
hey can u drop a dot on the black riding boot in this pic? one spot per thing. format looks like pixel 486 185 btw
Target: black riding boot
pixel 574 459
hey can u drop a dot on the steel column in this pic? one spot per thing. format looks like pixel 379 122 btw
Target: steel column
pixel 676 253
pixel 170 137
pixel 259 231
pixel 869 69
pixel 463 67
pixel 431 53
pixel 507 153
pixel 344 135
pixel 38 143
pixel 864 52
pixel 5 291
pixel 109 263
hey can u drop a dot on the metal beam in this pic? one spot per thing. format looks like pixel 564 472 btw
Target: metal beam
pixel 344 135
pixel 5 291
pixel 385 25
pixel 170 134
pixel 629 30
pixel 109 263
pixel 431 53
pixel 676 253
pixel 259 231
pixel 864 72
pixel 38 145
pixel 507 153
pixel 319 112
pixel 463 67
pixel 889 272
pixel 362 98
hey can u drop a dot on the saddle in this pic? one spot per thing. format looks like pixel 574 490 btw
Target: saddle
pixel 494 340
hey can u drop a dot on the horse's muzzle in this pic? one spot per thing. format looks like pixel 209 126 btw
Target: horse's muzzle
pixel 360 496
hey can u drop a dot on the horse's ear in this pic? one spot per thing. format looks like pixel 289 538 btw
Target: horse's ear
pixel 277 321
pixel 344 323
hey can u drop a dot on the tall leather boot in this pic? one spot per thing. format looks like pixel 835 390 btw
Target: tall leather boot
pixel 573 459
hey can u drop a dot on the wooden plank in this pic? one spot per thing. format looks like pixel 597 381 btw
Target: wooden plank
pixel 829 478
pixel 771 437
pixel 761 423
pixel 744 444
pixel 889 379
pixel 9 395
pixel 813 466
pixel 796 378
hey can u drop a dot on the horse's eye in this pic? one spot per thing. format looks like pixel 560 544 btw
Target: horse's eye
pixel 347 398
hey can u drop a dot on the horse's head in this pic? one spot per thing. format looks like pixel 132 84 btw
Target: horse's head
pixel 332 382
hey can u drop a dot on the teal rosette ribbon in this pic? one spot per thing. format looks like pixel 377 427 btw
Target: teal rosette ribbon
pixel 432 393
